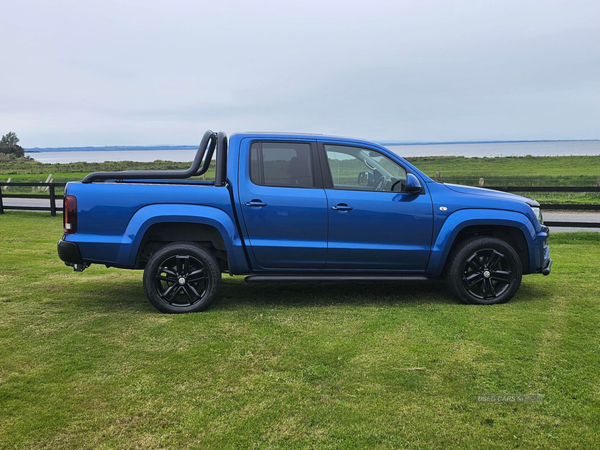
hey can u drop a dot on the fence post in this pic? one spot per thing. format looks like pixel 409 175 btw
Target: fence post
pixel 45 188
pixel 598 182
pixel 52 201
pixel 481 182
pixel 1 204
pixel 437 176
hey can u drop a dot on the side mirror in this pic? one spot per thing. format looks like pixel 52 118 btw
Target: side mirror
pixel 366 179
pixel 413 185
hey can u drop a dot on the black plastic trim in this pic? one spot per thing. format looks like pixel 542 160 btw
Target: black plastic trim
pixel 547 267
pixel 69 252
pixel 221 163
pixel 325 169
pixel 316 163
pixel 314 278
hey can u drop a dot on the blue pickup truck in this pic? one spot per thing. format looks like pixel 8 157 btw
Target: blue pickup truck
pixel 295 207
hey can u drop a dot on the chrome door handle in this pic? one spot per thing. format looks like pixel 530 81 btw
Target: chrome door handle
pixel 256 203
pixel 342 207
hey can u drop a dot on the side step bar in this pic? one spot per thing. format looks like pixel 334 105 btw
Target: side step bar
pixel 317 278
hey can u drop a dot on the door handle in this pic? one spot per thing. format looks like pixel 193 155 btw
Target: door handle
pixel 256 203
pixel 342 207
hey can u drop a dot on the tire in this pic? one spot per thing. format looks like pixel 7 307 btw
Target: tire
pixel 182 277
pixel 484 271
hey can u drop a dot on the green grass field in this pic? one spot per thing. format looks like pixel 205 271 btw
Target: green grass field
pixel 86 362
pixel 586 167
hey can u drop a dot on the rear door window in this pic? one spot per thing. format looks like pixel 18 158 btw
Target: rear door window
pixel 283 164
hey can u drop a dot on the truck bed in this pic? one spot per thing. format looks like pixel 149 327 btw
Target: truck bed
pixel 106 210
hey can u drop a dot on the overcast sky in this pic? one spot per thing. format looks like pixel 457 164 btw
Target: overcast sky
pixel 140 72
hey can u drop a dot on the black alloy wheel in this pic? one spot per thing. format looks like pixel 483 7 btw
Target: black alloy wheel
pixel 181 277
pixel 484 271
pixel 181 280
pixel 487 274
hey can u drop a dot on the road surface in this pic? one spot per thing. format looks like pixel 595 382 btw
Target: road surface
pixel 550 216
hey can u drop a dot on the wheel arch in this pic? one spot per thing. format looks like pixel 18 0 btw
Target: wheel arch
pixel 162 233
pixel 511 235
pixel 512 227
pixel 194 223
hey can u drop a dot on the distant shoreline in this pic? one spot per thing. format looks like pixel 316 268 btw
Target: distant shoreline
pixel 113 148
pixel 120 148
pixel 485 142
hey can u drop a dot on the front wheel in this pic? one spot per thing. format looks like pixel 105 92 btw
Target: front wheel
pixel 181 277
pixel 484 271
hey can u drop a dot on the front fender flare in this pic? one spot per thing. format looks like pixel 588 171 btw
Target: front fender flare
pixel 150 215
pixel 469 217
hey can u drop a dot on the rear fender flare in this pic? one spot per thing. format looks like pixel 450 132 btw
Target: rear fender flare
pixel 150 215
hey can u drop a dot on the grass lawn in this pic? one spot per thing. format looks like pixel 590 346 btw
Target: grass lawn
pixel 521 171
pixel 511 166
pixel 86 362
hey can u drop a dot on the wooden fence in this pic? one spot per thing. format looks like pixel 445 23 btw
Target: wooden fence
pixel 53 208
pixel 51 197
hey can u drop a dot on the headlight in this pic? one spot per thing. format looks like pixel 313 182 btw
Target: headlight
pixel 538 213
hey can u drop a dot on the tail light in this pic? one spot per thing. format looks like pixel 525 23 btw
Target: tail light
pixel 70 214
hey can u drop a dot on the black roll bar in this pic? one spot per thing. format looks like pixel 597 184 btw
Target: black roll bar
pixel 207 146
pixel 221 164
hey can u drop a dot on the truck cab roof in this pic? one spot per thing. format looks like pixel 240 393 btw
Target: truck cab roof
pixel 311 136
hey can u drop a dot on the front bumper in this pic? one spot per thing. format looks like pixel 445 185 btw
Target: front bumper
pixel 547 266
pixel 546 261
pixel 540 261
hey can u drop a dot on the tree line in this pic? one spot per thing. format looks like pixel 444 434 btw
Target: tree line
pixel 9 145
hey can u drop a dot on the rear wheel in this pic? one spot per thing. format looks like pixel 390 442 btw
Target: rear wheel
pixel 484 271
pixel 181 277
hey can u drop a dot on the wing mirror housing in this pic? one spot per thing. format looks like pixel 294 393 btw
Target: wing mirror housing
pixel 413 185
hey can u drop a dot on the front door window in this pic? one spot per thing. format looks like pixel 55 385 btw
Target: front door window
pixel 355 168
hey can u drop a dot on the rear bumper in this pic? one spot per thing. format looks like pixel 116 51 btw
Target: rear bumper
pixel 69 253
